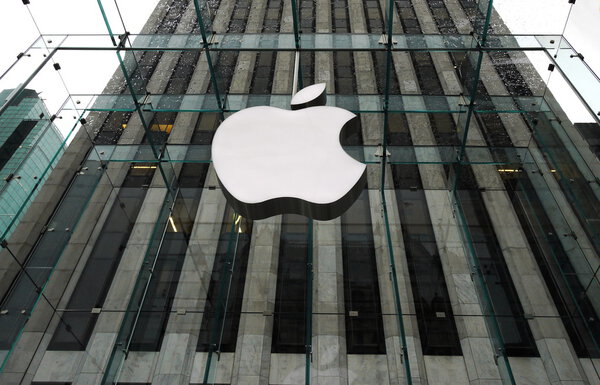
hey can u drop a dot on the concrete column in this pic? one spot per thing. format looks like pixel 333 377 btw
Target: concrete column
pixel 330 363
pixel 324 71
pixel 253 350
pixel 242 77
pixel 478 352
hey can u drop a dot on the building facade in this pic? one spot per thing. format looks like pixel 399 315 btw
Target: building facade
pixel 470 258
pixel 29 142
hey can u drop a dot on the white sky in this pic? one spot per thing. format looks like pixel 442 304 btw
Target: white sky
pixel 87 72
pixel 83 72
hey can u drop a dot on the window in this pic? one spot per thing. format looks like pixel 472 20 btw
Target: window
pixel 514 328
pixel 432 303
pixel 290 303
pixel 364 325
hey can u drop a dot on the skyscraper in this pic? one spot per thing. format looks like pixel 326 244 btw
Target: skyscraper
pixel 470 258
pixel 29 142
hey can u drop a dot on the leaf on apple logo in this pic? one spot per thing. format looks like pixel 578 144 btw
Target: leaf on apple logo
pixel 272 161
pixel 310 96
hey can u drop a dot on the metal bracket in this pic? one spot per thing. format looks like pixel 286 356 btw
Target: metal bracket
pixel 383 40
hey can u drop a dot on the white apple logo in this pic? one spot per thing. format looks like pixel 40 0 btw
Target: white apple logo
pixel 272 161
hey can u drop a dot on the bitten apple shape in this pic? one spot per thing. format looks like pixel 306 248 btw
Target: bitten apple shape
pixel 273 161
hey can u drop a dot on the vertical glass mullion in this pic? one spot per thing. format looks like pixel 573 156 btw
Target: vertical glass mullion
pixel 205 29
pixel 168 177
pixel 483 291
pixel 309 302
pixel 221 305
pixel 389 13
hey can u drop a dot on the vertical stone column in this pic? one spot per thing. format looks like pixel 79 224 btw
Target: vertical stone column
pixel 395 357
pixel 242 77
pixel 372 126
pixel 178 350
pixel 177 355
pixel 478 352
pixel 330 363
pixel 324 71
pixel 253 350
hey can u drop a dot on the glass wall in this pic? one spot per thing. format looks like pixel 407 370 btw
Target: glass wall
pixel 475 239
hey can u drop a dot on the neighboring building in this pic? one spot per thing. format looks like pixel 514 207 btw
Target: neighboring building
pixel 492 282
pixel 29 143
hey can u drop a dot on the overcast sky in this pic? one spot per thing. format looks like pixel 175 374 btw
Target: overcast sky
pixel 17 32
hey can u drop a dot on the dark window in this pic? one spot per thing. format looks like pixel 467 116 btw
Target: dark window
pixel 264 67
pixel 14 141
pixel 364 325
pixel 432 303
pixel 290 302
pixel 226 288
pixel 205 128
pixel 100 268
pixel 112 128
pixel 514 328
pixel 160 127
pixel 56 383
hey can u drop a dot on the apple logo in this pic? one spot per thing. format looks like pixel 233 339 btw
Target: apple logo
pixel 273 161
